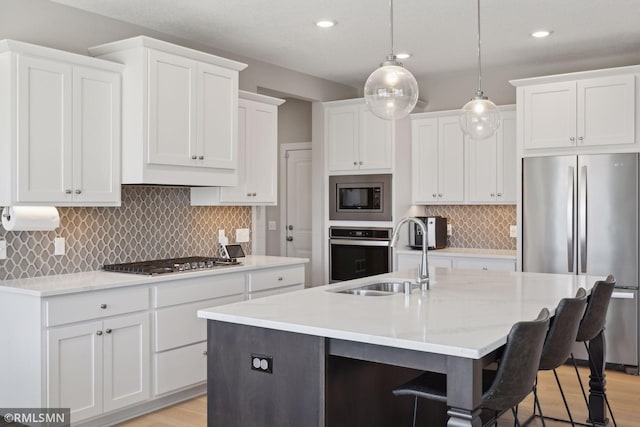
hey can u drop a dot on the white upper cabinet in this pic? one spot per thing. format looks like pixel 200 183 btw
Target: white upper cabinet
pixel 356 139
pixel 179 113
pixel 437 145
pixel 257 157
pixel 583 111
pixel 491 164
pixel 61 142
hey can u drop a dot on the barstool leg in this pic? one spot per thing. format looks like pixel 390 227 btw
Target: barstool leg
pixel 564 399
pixel 536 402
pixel 415 410
pixel 606 400
pixel 515 417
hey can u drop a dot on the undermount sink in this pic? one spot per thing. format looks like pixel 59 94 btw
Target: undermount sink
pixel 374 289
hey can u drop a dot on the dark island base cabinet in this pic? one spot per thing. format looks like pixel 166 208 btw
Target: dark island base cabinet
pixel 239 396
pixel 308 387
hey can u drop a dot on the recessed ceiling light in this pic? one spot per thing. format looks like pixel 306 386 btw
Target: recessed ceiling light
pixel 540 34
pixel 326 24
pixel 404 55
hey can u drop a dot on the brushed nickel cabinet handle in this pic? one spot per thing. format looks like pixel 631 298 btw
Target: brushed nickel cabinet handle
pixel 108 331
pixel 103 306
pixel 78 191
pixel 201 157
pixel 194 157
pixel 67 191
pixel 98 333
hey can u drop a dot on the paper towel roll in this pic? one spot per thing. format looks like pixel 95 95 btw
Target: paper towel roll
pixel 30 218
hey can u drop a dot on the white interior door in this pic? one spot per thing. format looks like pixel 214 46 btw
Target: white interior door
pixel 297 206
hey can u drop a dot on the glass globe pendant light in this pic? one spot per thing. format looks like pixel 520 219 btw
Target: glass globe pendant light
pixel 479 117
pixel 391 91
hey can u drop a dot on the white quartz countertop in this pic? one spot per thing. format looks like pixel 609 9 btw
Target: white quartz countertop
pixel 466 313
pixel 466 252
pixel 45 286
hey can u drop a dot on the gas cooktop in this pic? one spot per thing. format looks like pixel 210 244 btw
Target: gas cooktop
pixel 172 265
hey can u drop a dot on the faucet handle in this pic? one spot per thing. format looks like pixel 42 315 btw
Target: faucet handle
pixel 407 287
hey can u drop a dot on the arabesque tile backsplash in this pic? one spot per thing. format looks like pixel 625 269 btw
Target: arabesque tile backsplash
pixel 152 223
pixel 478 226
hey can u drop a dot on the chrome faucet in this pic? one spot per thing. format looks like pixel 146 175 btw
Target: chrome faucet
pixel 423 278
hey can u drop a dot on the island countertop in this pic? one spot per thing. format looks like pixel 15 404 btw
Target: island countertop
pixel 466 313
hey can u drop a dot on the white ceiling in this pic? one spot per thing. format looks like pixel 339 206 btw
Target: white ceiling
pixel 440 33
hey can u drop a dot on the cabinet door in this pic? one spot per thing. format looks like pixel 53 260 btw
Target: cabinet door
pixel 484 264
pixel 262 154
pixel 507 158
pixel 424 161
pixel 44 131
pixel 343 137
pixel 606 111
pixel 482 168
pixel 96 136
pixel 172 110
pixel 451 160
pixel 217 92
pixel 240 193
pixel 75 369
pixel 126 360
pixel 550 115
pixel 375 148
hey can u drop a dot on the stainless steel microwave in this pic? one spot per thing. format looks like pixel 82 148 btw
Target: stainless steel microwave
pixel 360 197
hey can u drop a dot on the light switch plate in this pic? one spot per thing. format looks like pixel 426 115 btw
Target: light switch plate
pixel 242 235
pixel 273 226
pixel 449 229
pixel 59 246
pixel 513 231
pixel 3 249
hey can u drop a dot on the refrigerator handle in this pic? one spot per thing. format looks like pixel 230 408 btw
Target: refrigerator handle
pixel 570 244
pixel 582 209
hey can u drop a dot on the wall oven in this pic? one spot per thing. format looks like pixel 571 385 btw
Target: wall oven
pixel 359 252
pixel 360 197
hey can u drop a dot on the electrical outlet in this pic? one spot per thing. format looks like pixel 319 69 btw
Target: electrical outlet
pixel 262 363
pixel 3 249
pixel 273 226
pixel 513 231
pixel 242 235
pixel 59 246
pixel 449 229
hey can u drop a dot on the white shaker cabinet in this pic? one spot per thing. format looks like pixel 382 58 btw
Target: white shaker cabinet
pixel 491 163
pixel 356 139
pixel 468 259
pixel 437 168
pixel 579 112
pixel 257 157
pixel 63 135
pixel 179 113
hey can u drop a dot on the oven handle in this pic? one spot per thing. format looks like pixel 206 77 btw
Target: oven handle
pixel 359 242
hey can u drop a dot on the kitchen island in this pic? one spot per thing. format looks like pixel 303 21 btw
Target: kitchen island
pixel 318 357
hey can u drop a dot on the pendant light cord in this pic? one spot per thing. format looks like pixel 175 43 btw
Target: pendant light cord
pixel 479 55
pixel 391 24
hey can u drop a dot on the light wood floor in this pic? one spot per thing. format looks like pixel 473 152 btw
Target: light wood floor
pixel 623 392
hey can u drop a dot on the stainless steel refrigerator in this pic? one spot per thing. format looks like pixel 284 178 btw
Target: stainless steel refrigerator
pixel 580 216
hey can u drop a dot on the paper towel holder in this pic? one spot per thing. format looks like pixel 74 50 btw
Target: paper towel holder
pixel 5 213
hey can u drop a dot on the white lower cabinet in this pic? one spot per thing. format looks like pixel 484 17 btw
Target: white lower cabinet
pixel 99 366
pixel 180 368
pixel 484 264
pixel 411 260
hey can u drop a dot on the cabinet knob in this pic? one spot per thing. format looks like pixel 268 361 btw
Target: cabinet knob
pixel 580 138
pixel 98 333
pixel 108 331
pixel 484 268
pixel 361 162
pixel 248 194
pixel 280 279
pixel 204 353
pixel 572 139
pixel 355 163
pixel 194 157
pixel 439 194
pixel 254 194
pixel 201 157
pixel 289 238
pixel 67 191
pixel 78 191
pixel 103 306
pixel 499 194
pixel 434 195
pixel 493 195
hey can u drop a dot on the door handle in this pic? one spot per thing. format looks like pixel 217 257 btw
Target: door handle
pixel 582 194
pixel 570 221
pixel 289 238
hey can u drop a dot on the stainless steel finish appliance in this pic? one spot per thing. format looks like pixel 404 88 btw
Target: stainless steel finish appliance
pixel 359 252
pixel 360 197
pixel 173 265
pixel 580 216
pixel 436 233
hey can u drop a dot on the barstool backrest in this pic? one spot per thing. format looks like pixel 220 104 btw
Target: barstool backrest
pixel 518 366
pixel 596 313
pixel 563 331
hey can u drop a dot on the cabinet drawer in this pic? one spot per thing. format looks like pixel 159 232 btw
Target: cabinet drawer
pixel 180 325
pixel 485 264
pixel 194 289
pixel 276 291
pixel 276 278
pixel 179 368
pixel 93 305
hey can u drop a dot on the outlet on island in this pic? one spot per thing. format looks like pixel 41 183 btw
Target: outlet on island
pixel 262 363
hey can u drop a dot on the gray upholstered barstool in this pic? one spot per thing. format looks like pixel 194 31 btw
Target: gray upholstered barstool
pixel 503 388
pixel 561 336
